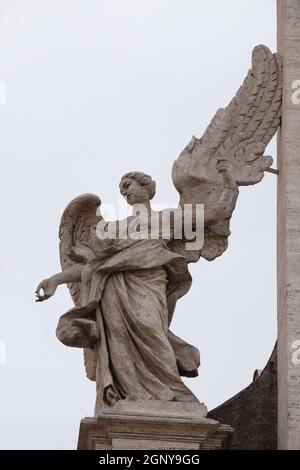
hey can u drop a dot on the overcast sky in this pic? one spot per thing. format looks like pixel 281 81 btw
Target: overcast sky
pixel 96 88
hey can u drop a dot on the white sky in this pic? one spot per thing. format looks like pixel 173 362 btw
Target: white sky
pixel 96 88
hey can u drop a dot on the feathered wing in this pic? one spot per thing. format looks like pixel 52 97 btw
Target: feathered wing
pixel 78 220
pixel 242 131
pixel 239 133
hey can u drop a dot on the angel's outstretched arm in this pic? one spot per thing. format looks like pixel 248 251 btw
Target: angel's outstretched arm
pixel 49 285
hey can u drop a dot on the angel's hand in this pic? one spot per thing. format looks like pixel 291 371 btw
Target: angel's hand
pixel 225 168
pixel 48 286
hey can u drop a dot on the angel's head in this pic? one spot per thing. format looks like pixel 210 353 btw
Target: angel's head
pixel 137 187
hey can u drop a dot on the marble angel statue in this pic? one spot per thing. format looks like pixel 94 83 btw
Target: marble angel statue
pixel 125 289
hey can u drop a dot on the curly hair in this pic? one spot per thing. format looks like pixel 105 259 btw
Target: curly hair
pixel 143 179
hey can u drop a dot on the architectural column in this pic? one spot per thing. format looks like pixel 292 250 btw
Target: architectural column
pixel 288 12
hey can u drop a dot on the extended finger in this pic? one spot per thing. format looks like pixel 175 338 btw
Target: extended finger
pixel 39 287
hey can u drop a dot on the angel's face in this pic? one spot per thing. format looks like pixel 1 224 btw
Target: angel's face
pixel 133 192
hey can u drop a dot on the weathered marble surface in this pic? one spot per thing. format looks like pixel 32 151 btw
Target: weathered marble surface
pixel 289 227
pixel 153 425
pixel 125 289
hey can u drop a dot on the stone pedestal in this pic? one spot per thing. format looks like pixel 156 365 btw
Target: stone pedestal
pixel 289 229
pixel 153 425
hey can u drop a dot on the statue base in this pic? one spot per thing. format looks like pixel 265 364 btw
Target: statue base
pixel 153 424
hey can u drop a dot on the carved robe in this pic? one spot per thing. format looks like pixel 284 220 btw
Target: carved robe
pixel 127 301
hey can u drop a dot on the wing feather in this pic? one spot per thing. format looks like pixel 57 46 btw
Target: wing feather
pixel 238 133
pixel 252 116
pixel 80 216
